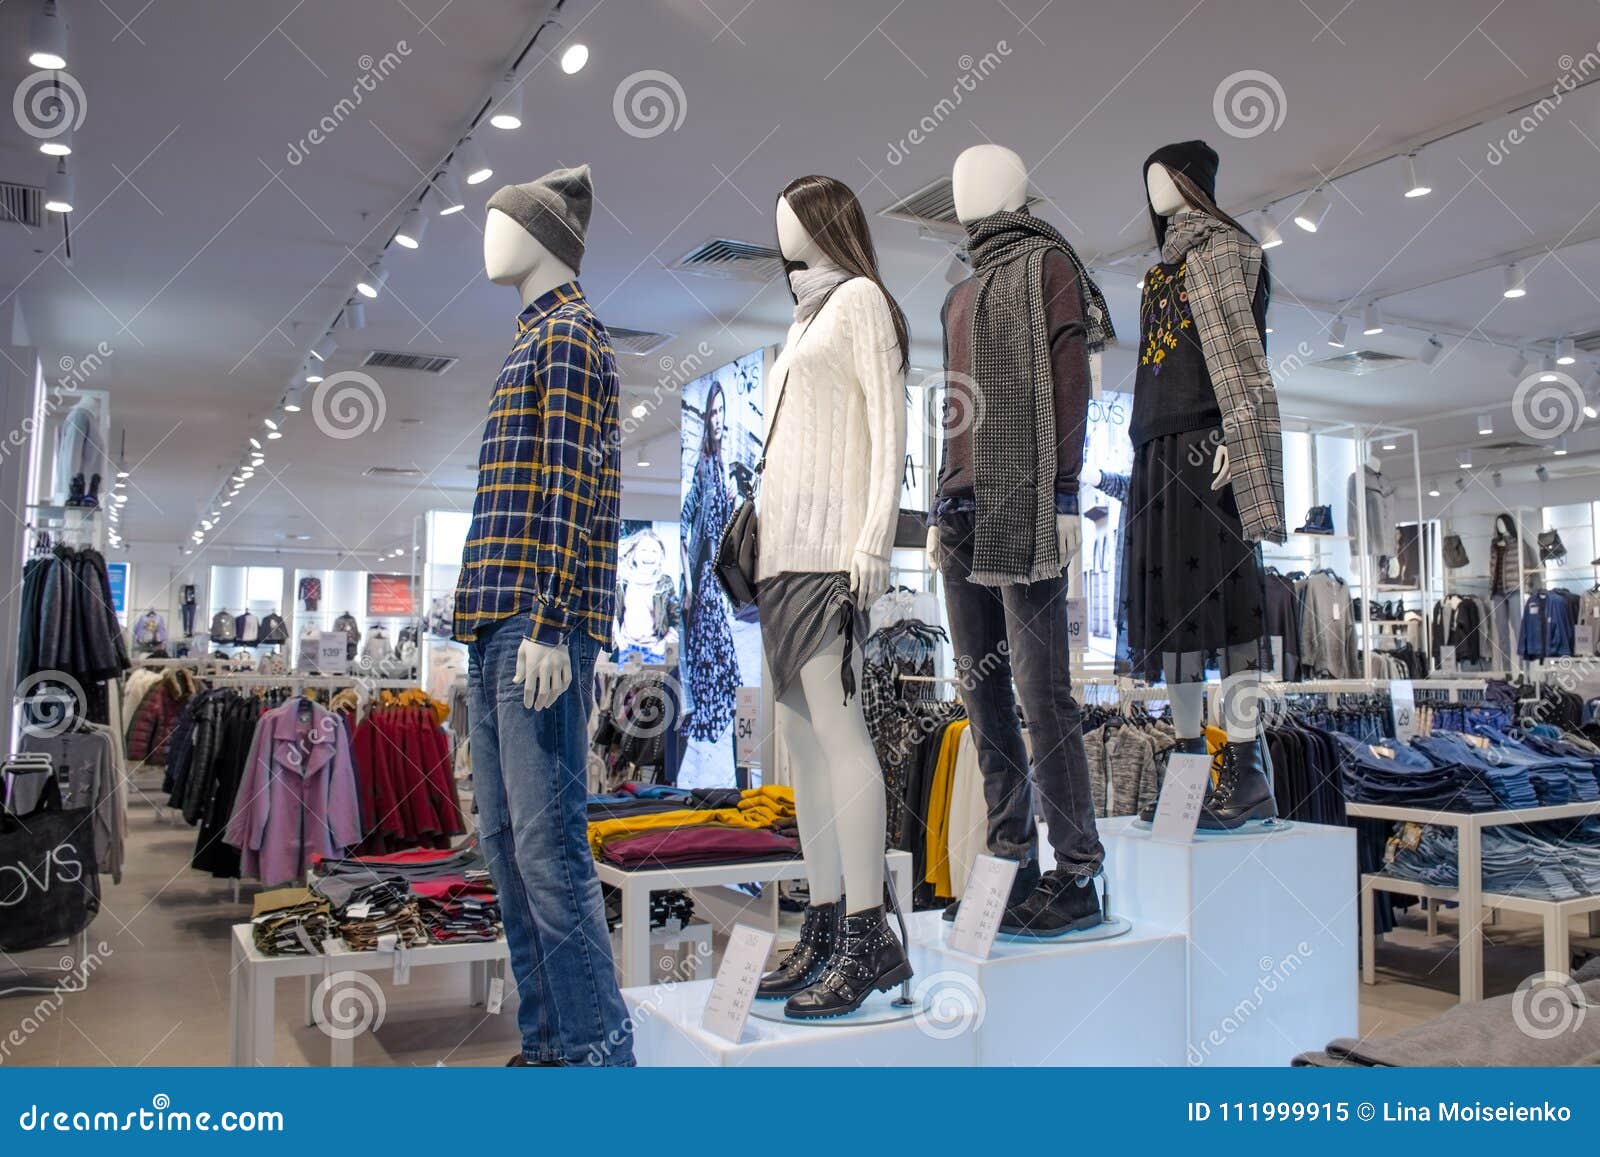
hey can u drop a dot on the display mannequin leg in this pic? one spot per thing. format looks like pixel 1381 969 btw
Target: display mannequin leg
pixel 1187 695
pixel 813 795
pixel 1241 694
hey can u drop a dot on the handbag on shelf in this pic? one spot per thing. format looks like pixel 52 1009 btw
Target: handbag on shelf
pixel 49 884
pixel 735 561
pixel 1551 548
pixel 1455 552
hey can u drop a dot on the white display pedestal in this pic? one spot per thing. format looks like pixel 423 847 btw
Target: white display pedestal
pixel 1243 952
pixel 1271 928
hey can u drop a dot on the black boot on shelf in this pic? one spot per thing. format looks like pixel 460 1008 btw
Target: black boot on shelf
pixel 1194 745
pixel 75 491
pixel 803 965
pixel 868 958
pixel 1242 793
pixel 93 497
pixel 1022 886
pixel 1062 903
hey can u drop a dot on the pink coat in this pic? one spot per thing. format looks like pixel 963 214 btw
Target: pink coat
pixel 298 796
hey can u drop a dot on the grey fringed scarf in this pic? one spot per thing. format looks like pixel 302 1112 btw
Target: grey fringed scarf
pixel 812 285
pixel 1014 444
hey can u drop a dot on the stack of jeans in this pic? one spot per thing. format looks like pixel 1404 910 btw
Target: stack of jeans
pixel 1505 771
pixel 1580 759
pixel 1407 778
pixel 1539 861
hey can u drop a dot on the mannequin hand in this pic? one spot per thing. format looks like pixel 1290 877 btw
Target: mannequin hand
pixel 1069 538
pixel 543 671
pixel 934 561
pixel 869 578
pixel 1221 468
pixel 1091 476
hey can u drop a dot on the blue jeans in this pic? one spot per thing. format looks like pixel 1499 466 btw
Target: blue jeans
pixel 528 775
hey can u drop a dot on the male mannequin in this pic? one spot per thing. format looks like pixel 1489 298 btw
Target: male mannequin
pixel 534 603
pixel 828 507
pixel 1018 334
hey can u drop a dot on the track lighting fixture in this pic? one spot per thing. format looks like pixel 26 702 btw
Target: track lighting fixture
pixel 448 191
pixel 59 189
pixel 1312 210
pixel 1516 282
pixel 641 458
pixel 1430 351
pixel 1415 185
pixel 291 400
pixel 47 36
pixel 1519 365
pixel 574 57
pixel 412 229
pixel 1542 474
pixel 323 350
pixel 1559 446
pixel 1566 352
pixel 1389 443
pixel 1337 332
pixel 255 444
pixel 355 315
pixel 474 164
pixel 507 110
pixel 1270 238
pixel 1547 369
pixel 1433 488
pixel 372 283
pixel 59 145
pixel 1485 425
pixel 1371 322
pixel 1499 479
pixel 1464 458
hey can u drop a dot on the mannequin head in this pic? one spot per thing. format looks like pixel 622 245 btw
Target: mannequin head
pixel 1505 526
pixel 1374 463
pixel 512 256
pixel 987 179
pixel 819 219
pixel 1162 190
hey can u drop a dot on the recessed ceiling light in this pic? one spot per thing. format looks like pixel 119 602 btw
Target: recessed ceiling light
pixel 574 57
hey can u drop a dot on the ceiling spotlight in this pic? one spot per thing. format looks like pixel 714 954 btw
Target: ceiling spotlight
pixel 270 424
pixel 574 57
pixel 205 524
pixel 1430 351
pixel 1519 364
pixel 47 37
pixel 255 444
pixel 1541 474
pixel 508 109
pixel 1270 238
pixel 59 145
pixel 1337 332
pixel 1433 489
pixel 226 502
pixel 1485 425
pixel 642 458
pixel 58 189
pixel 1389 443
pixel 1566 353
pixel 323 350
pixel 1415 186
pixel 274 435
pixel 412 229
pixel 1461 483
pixel 1559 447
pixel 291 401
pixel 121 474
pixel 1547 369
pixel 1516 282
pixel 1269 329
pixel 1371 323
pixel 119 498
pixel 474 163
pixel 449 191
pixel 1312 210
pixel 1139 284
pixel 1499 479
pixel 372 283
pixel 355 315
pixel 639 410
pixel 1464 459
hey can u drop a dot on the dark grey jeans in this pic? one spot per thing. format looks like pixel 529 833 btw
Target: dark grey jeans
pixel 1020 632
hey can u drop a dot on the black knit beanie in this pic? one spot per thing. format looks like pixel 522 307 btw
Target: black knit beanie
pixel 1195 160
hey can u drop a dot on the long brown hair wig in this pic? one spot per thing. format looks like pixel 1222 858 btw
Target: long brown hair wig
pixel 830 213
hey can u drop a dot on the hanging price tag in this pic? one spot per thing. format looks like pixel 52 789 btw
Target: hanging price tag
pixel 1583 639
pixel 734 989
pixel 1448 664
pixel 747 726
pixel 497 996
pixel 983 905
pixel 1077 621
pixel 1403 699
pixel 1182 793
pixel 1277 659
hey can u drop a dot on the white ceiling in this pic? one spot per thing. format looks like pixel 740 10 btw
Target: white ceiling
pixel 197 246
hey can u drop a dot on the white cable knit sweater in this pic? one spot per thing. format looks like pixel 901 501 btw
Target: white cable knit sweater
pixel 832 481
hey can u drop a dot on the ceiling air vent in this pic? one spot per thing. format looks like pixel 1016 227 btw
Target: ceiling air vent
pixel 421 363
pixel 1358 363
pixel 933 204
pixel 392 472
pixel 1588 342
pixel 21 204
pixel 637 342
pixel 739 260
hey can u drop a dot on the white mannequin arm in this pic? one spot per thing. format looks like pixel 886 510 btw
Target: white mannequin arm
pixel 869 578
pixel 934 562
pixel 544 673
pixel 1221 467
pixel 1069 539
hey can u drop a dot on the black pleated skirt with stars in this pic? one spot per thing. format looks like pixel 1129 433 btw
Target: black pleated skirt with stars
pixel 1192 584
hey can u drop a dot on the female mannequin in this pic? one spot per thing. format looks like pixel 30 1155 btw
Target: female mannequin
pixel 1207 481
pixel 829 502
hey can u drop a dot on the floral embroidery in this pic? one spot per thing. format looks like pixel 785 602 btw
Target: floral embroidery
pixel 1163 313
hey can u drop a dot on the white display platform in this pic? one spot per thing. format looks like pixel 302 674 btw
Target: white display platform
pixel 1243 952
pixel 1271 928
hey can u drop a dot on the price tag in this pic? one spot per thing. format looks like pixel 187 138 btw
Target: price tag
pixel 1338 612
pixel 1583 639
pixel 1448 664
pixel 983 904
pixel 358 911
pixel 747 726
pixel 331 945
pixel 332 651
pixel 1077 621
pixel 1096 382
pixel 1182 793
pixel 402 964
pixel 1403 699
pixel 497 995
pixel 734 989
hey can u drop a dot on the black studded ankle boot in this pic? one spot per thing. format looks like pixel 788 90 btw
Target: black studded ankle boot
pixel 92 498
pixel 75 491
pixel 868 958
pixel 803 964
pixel 1192 745
pixel 1242 792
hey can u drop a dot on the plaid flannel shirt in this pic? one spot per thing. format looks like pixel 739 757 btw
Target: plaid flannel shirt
pixel 1224 269
pixel 543 538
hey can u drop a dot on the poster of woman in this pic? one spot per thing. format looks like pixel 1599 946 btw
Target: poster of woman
pixel 648 578
pixel 722 429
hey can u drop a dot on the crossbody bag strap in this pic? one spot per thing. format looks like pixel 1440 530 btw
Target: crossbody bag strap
pixel 783 386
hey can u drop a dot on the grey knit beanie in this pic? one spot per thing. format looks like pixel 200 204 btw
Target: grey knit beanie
pixel 554 209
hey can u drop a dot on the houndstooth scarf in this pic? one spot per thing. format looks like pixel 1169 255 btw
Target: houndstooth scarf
pixel 1014 442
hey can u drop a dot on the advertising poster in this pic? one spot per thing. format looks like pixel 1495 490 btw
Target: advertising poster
pixel 1107 451
pixel 649 574
pixel 722 431
pixel 117 572
pixel 390 596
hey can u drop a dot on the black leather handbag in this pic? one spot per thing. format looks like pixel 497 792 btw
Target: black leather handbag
pixel 735 561
pixel 1551 548
pixel 1455 552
